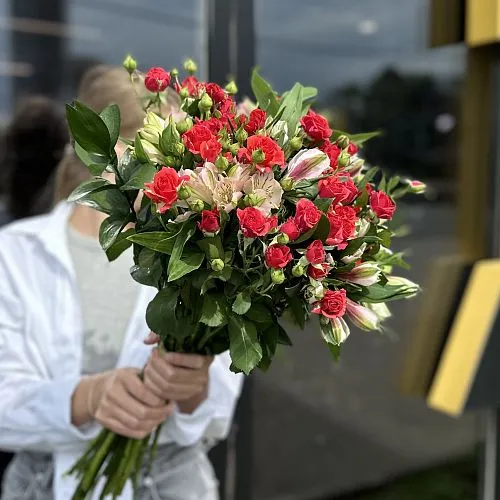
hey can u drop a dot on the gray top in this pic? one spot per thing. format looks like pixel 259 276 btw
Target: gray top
pixel 106 304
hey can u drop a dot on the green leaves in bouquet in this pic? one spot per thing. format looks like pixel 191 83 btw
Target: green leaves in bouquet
pixel 319 232
pixel 245 348
pixel 358 139
pixel 142 174
pixel 242 303
pixel 214 311
pixel 110 228
pixel 388 293
pixel 183 261
pixel 265 95
pixel 161 313
pixel 292 106
pixel 170 138
pixel 96 163
pixel 147 269
pixel 159 241
pixel 120 244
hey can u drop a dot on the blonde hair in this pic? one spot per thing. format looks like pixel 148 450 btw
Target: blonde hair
pixel 100 86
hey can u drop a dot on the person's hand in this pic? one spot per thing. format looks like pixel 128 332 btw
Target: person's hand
pixel 123 403
pixel 177 377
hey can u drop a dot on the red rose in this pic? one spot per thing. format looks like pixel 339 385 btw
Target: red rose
pixel 213 124
pixel 278 256
pixel 192 84
pixel 342 226
pixel 227 107
pixel 253 223
pixel 290 229
pixel 307 215
pixel 209 150
pixel 382 204
pixel 157 80
pixel 209 221
pixel 215 92
pixel 196 136
pixel 316 126
pixel 340 191
pixel 163 189
pixel 315 252
pixel 369 188
pixel 256 121
pixel 332 305
pixel 352 149
pixel 333 152
pixel 318 273
pixel 264 146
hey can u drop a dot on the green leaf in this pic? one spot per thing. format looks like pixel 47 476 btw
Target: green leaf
pixel 147 270
pixel 388 293
pixel 245 349
pixel 214 310
pixel 212 247
pixel 161 313
pixel 296 307
pixel 385 236
pixel 119 246
pixel 393 183
pixel 88 187
pixel 111 117
pixel 140 154
pixel 360 139
pixel 259 313
pixel 322 229
pixel 242 303
pixel 128 165
pixel 189 262
pixel 110 229
pixel 367 177
pixel 292 104
pixel 94 162
pixel 264 93
pixel 187 231
pixel 158 241
pixel 88 129
pixel 323 203
pixel 143 174
pixel 309 93
pixel 334 351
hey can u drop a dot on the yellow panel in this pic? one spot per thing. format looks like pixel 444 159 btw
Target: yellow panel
pixel 446 23
pixel 468 338
pixel 482 25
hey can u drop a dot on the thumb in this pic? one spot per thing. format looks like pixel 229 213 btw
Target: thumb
pixel 152 339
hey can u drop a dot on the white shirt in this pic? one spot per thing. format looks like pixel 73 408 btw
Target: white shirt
pixel 41 351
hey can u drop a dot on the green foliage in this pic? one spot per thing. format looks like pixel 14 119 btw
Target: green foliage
pixel 265 95
pixel 161 313
pixel 245 349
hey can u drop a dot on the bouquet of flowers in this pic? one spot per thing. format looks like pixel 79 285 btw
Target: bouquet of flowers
pixel 238 215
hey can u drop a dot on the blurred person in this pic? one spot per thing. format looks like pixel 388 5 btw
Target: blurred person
pixel 71 342
pixel 33 145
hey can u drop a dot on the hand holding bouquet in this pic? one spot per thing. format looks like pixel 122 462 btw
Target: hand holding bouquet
pixel 247 213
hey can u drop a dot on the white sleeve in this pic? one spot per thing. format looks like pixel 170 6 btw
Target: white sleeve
pixel 212 419
pixel 35 411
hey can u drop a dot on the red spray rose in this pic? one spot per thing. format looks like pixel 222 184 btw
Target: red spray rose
pixel 213 124
pixel 253 223
pixel 209 150
pixel 290 229
pixel 352 149
pixel 278 256
pixel 332 305
pixel 316 126
pixel 333 152
pixel 341 191
pixel 192 84
pixel 157 80
pixel 270 151
pixel 307 215
pixel 215 92
pixel 382 204
pixel 163 189
pixel 209 221
pixel 315 252
pixel 256 121
pixel 342 226
pixel 318 273
pixel 195 137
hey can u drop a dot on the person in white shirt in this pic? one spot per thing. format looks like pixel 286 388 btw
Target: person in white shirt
pixel 72 333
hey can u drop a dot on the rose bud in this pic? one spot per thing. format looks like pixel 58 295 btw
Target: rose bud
pixel 416 187
pixel 184 192
pixel 382 204
pixel 130 64
pixel 343 142
pixel 210 223
pixel 278 256
pixel 234 148
pixel 196 205
pixel 287 184
pixel 361 316
pixel 190 66
pixel 241 135
pixel 277 276
pixel 184 125
pixel 205 104
pixel 344 159
pixel 183 93
pixel 298 270
pixel 283 239
pixel 365 274
pixel 296 143
pixel 174 72
pixel 307 164
pixel 222 163
pixel 258 156
pixel 157 80
pixel 315 252
pixel 217 265
pixel 290 229
pixel 231 88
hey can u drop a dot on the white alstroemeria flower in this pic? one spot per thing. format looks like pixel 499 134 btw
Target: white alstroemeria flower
pixel 307 164
pixel 266 189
